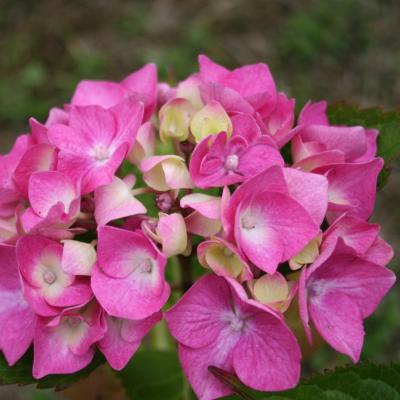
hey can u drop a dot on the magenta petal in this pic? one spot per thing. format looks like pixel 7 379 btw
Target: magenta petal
pixel 123 337
pixel 101 93
pixel 211 71
pixel 380 252
pixel 338 320
pixel 46 189
pixel 17 319
pixel 272 228
pixel 314 114
pixel 133 297
pixel 195 363
pixel 267 356
pixel 51 350
pixel 363 282
pixel 258 157
pixel 41 157
pixel 352 188
pixel 310 190
pixel 230 100
pixel 114 201
pixel 194 320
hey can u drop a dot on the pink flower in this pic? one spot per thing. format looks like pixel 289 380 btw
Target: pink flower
pixel 216 324
pixel 96 141
pixel 345 284
pixel 252 82
pixel 65 344
pixel 46 286
pixel 17 319
pixel 10 196
pixel 115 200
pixel 140 85
pixel 219 161
pixel 205 219
pixel 129 283
pixel 123 338
pixel 54 204
pixel 352 187
pixel 274 215
pixel 279 121
pixel 316 143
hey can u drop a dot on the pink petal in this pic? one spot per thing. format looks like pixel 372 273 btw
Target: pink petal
pixel 17 319
pixel 338 321
pixel 272 228
pixel 78 258
pixel 310 190
pixel 267 356
pixel 171 229
pixel 52 354
pixel 128 116
pixel 101 93
pixel 144 82
pixel 123 338
pixel 129 283
pixel 46 189
pixel 363 282
pixel 41 157
pixel 197 224
pixel 211 71
pixel 206 205
pixel 114 201
pixel 230 100
pixel 380 252
pixel 258 157
pixel 195 363
pixel 352 188
pixel 314 114
pixel 134 297
pixel 350 140
pixel 194 321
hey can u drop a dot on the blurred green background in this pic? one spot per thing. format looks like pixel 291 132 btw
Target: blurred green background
pixel 334 50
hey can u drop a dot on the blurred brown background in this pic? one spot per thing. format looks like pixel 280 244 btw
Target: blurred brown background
pixel 335 50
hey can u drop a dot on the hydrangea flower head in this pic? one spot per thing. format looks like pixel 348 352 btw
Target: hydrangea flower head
pixel 141 201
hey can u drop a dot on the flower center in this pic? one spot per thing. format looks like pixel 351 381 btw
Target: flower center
pixel 73 322
pixel 236 323
pixel 146 266
pixel 101 153
pixel 248 222
pixel 49 277
pixel 231 162
pixel 164 202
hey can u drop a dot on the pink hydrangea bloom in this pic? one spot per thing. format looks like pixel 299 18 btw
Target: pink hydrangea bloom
pixel 217 161
pixel 46 286
pixel 345 284
pixel 96 141
pixel 133 181
pixel 216 324
pixel 275 214
pixel 129 283
pixel 65 344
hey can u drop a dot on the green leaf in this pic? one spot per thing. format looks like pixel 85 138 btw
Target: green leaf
pixel 364 381
pixel 388 124
pixel 21 373
pixel 155 375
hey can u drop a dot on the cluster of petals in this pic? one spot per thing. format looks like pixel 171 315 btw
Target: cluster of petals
pixel 84 259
